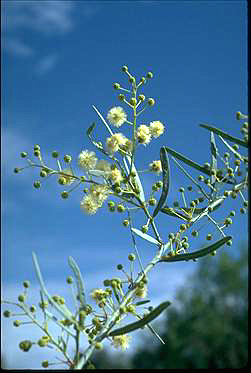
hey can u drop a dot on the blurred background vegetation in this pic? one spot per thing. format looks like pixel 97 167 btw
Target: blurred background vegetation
pixel 207 326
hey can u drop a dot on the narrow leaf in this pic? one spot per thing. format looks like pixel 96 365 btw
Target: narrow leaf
pixel 145 236
pixel 141 194
pixel 213 156
pixel 60 308
pixel 232 149
pixel 142 302
pixel 79 280
pixel 225 135
pixel 103 120
pixel 141 323
pixel 90 129
pixel 196 254
pixel 166 180
pixel 97 173
pixel 188 161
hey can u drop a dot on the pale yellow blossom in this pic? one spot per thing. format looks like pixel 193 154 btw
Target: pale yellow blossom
pixel 99 193
pixel 143 134
pixel 155 166
pixel 103 165
pixel 116 116
pixel 127 146
pixel 87 160
pixel 121 341
pixel 98 295
pixel 115 176
pixel 114 142
pixel 156 128
pixel 141 292
pixel 89 204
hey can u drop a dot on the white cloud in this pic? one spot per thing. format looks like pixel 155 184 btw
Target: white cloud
pixel 46 64
pixel 18 48
pixel 45 16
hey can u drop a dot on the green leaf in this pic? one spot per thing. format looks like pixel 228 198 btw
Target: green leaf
pixel 145 236
pixel 166 180
pixel 213 156
pixel 90 129
pixel 142 302
pixel 196 254
pixel 103 120
pixel 188 161
pixel 97 173
pixel 224 134
pixel 232 149
pixel 141 323
pixel 60 308
pixel 141 194
pixel 79 280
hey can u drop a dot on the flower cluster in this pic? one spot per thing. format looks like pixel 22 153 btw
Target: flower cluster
pixel 87 160
pixel 116 116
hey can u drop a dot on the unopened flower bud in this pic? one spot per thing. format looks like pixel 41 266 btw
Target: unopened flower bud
pixel 21 297
pixel 125 223
pixel 131 257
pixel 120 208
pixel 116 85
pixel 124 68
pixel 45 363
pixel 64 195
pixel 23 154
pixel 42 342
pixel 149 75
pixel 26 284
pixel 209 237
pixel 151 102
pixel 32 308
pixel 67 158
pixel 195 233
pixel 121 97
pixel 62 180
pixel 43 173
pixel 37 184
pixel 152 201
pixel 132 79
pixel 144 228
pixel 7 313
pixel 69 280
pixel 55 154
pixel 133 101
pixel 25 345
pixel 17 323
pixel 142 97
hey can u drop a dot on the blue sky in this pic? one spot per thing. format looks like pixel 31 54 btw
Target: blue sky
pixel 58 59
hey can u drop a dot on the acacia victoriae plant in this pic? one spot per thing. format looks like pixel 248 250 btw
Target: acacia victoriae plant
pixel 116 176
